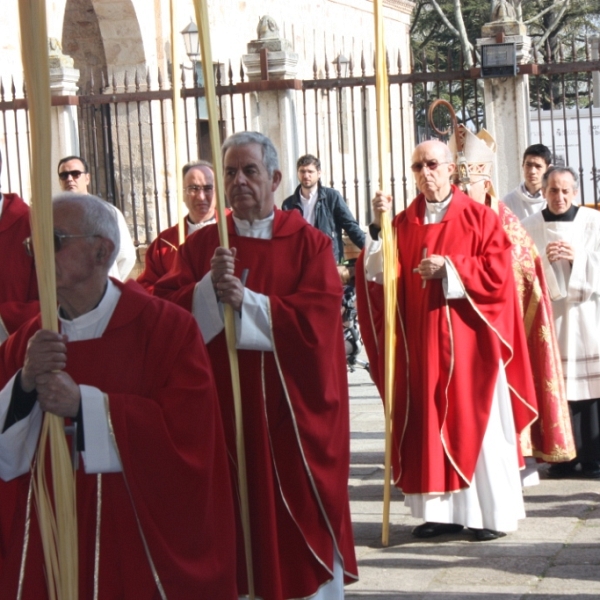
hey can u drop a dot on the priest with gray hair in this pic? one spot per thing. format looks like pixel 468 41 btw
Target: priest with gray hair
pixel 568 239
pixel 149 453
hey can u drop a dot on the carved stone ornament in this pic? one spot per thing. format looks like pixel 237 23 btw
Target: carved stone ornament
pixel 269 37
pixel 267 28
pixel 504 10
pixel 56 58
pixel 504 20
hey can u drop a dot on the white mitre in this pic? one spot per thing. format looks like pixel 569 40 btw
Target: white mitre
pixel 477 156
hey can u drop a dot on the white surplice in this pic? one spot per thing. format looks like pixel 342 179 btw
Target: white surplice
pixel 575 293
pixel 19 442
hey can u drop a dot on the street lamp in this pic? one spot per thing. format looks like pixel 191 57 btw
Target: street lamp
pixel 191 41
pixel 342 63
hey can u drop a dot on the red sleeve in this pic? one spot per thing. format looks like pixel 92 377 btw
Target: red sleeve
pixel 158 260
pixel 188 268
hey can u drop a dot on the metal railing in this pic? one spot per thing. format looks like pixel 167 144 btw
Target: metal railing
pixel 126 127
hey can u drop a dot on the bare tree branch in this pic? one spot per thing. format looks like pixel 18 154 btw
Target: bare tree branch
pixel 539 44
pixel 554 5
pixel 444 18
pixel 467 47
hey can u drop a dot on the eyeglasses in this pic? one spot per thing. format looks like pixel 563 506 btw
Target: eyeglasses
pixel 58 241
pixel 64 175
pixel 432 165
pixel 196 189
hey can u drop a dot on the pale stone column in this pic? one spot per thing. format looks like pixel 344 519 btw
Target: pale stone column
pixel 274 112
pixel 65 130
pixel 507 107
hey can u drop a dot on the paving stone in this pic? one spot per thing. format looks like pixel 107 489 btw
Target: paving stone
pixel 555 554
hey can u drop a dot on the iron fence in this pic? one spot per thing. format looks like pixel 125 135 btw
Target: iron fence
pixel 126 127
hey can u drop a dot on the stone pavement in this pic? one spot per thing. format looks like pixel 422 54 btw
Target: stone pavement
pixel 555 554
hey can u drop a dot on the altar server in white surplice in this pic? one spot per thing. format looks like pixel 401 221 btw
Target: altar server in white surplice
pixel 568 239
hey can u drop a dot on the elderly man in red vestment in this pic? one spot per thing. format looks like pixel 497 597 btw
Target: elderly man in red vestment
pixel 18 285
pixel 199 197
pixel 460 384
pixel 281 279
pixel 550 438
pixel 154 503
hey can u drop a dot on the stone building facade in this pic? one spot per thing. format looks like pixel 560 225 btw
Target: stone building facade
pixel 114 37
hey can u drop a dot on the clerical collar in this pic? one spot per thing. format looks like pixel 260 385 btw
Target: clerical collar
pixel 191 227
pixel 537 196
pixel 569 215
pixel 259 228
pixel 97 318
pixel 437 207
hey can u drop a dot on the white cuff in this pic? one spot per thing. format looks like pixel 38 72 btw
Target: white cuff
pixel 253 327
pixel 452 285
pixel 374 261
pixel 207 311
pixel 18 443
pixel 100 455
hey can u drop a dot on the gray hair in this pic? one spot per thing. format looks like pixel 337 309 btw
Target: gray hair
pixel 559 170
pixel 243 138
pixel 99 217
pixel 195 164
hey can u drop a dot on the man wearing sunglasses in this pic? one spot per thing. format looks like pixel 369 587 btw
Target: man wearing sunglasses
pixel 199 197
pixel 74 176
pixel 459 344
pixel 18 285
pixel 154 502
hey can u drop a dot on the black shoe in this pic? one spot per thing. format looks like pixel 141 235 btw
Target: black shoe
pixel 429 530
pixel 485 535
pixel 590 470
pixel 562 470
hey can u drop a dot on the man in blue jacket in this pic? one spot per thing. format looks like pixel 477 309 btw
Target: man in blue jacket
pixel 323 207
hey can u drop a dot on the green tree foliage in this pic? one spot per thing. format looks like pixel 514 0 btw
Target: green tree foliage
pixel 437 25
pixel 444 38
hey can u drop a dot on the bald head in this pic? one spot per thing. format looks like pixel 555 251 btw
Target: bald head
pixel 433 166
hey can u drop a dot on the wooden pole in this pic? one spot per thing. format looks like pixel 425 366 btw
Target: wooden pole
pixel 390 262
pixel 57 511
pixel 215 142
pixel 181 209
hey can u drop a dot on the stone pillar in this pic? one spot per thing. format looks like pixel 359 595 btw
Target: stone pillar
pixel 65 130
pixel 273 111
pixel 507 105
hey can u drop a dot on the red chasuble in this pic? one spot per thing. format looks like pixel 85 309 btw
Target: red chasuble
pixel 169 514
pixel 18 285
pixel 448 351
pixel 295 404
pixel 159 257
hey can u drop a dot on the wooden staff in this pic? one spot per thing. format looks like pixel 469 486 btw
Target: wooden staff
pixel 390 261
pixel 181 209
pixel 213 122
pixel 57 511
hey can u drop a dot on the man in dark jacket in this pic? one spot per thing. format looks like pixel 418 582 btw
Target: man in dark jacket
pixel 322 207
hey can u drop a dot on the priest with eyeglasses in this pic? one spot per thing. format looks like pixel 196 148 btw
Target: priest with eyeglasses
pixel 460 382
pixel 154 502
pixel 200 200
